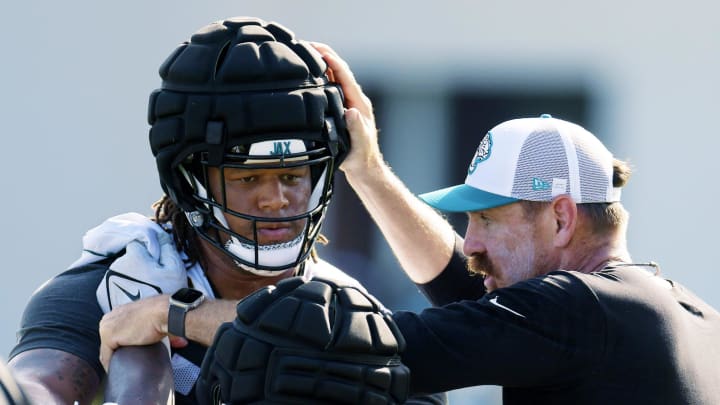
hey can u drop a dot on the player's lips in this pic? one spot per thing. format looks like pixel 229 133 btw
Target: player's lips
pixel 275 233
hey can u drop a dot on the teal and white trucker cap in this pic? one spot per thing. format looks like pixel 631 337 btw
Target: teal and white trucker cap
pixel 533 159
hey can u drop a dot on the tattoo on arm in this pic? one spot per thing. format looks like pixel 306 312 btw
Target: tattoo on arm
pixel 78 374
pixel 53 375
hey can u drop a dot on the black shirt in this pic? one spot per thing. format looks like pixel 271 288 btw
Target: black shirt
pixel 64 314
pixel 617 336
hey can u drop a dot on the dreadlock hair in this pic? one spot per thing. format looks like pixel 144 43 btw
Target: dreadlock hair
pixel 184 234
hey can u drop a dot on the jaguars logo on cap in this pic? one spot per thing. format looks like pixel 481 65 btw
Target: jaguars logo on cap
pixel 482 153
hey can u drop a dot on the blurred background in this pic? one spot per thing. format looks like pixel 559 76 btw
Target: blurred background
pixel 76 75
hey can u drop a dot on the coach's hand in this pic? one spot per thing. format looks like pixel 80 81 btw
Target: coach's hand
pixel 359 116
pixel 138 323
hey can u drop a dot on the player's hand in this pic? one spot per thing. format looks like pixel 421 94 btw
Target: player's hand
pixel 137 323
pixel 359 115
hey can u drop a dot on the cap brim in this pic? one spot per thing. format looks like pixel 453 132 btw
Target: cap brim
pixel 463 198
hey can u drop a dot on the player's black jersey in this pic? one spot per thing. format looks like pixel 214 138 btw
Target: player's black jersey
pixel 617 336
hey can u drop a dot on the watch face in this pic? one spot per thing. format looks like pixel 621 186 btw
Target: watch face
pixel 187 295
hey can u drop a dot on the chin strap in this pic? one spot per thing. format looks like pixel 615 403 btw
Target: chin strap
pixel 275 255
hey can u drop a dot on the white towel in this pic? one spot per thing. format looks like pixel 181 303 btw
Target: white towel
pixel 151 264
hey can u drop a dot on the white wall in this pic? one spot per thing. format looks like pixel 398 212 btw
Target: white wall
pixel 75 76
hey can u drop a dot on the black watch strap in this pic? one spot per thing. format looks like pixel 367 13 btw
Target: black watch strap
pixel 184 300
pixel 176 320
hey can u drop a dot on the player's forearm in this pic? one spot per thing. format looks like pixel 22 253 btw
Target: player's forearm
pixel 422 240
pixel 140 375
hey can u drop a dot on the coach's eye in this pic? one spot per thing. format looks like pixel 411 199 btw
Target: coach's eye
pixel 485 218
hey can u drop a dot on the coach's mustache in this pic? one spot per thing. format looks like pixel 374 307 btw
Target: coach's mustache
pixel 480 264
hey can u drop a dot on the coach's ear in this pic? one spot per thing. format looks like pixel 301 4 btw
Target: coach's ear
pixel 565 216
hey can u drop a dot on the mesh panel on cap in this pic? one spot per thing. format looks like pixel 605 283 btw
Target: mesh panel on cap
pixel 530 171
pixel 594 182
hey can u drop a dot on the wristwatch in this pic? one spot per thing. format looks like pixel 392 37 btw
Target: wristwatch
pixel 184 300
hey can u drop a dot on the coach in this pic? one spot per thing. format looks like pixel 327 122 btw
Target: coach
pixel 553 307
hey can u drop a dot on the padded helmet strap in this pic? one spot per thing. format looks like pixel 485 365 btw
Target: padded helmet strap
pixel 214 141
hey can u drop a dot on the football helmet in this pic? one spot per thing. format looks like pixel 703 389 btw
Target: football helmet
pixel 245 94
